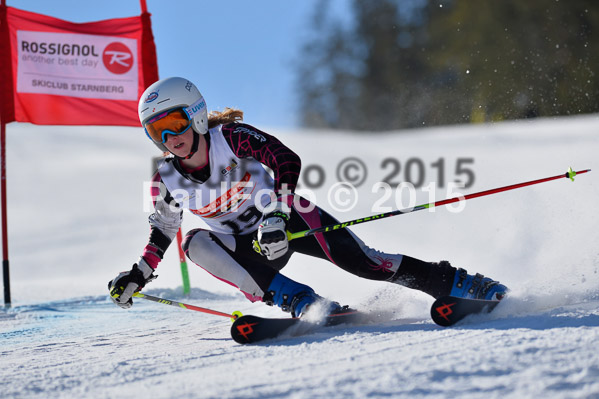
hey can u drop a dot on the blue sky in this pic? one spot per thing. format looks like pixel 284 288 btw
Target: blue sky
pixel 239 53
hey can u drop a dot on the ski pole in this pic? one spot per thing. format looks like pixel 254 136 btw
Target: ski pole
pixel 292 236
pixel 232 316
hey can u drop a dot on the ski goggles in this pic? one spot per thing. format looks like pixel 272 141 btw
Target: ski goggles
pixel 175 121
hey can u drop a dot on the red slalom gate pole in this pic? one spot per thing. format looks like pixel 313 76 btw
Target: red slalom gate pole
pixel 568 175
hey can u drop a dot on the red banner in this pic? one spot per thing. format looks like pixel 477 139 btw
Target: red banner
pixel 66 73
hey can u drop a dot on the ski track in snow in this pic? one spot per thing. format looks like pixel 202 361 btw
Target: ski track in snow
pixel 63 337
pixel 87 348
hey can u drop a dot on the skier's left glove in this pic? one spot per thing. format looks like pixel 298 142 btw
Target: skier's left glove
pixel 272 239
pixel 126 284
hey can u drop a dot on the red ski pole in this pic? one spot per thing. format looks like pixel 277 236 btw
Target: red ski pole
pixel 568 175
pixel 232 316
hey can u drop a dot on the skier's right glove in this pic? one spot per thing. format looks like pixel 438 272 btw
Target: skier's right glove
pixel 126 284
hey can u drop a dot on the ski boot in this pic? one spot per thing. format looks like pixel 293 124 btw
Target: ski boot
pixel 296 298
pixel 477 287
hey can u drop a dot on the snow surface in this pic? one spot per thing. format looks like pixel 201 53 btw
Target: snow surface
pixel 76 219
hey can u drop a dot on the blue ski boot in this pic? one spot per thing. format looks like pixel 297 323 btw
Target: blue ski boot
pixel 294 297
pixel 477 286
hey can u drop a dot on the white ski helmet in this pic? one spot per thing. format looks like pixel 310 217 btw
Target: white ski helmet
pixel 171 93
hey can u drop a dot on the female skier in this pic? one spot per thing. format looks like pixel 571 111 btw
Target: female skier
pixel 216 172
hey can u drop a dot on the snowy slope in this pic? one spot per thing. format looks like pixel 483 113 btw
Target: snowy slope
pixel 76 219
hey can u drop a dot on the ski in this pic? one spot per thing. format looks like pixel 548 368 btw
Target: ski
pixel 445 311
pixel 448 310
pixel 249 329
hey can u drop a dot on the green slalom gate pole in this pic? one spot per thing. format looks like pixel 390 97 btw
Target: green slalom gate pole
pixel 570 174
pixel 184 272
pixel 163 301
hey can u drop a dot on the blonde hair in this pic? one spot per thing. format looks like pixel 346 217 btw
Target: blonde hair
pixel 227 116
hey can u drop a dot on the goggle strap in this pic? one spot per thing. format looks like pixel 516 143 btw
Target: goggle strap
pixel 195 108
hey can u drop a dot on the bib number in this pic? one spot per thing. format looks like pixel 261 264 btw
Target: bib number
pixel 247 219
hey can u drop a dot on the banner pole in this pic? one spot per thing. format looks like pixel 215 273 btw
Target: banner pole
pixel 5 267
pixel 5 112
pixel 142 3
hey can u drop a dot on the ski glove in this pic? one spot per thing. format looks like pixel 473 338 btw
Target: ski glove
pixel 272 235
pixel 126 284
